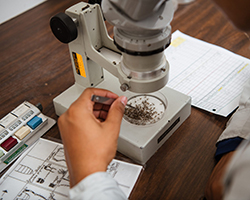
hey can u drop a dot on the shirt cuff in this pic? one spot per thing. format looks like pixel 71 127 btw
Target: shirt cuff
pixel 99 185
pixel 226 146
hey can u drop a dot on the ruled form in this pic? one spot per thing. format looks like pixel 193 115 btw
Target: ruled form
pixel 213 76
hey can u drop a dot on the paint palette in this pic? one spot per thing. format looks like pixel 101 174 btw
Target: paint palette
pixel 18 130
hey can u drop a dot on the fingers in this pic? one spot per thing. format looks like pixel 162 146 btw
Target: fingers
pixel 115 113
pixel 84 100
pixel 100 114
pixel 99 106
pixel 87 94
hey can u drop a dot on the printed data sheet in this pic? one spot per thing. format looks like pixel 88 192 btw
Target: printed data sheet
pixel 213 76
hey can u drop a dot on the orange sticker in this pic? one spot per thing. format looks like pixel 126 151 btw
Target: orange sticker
pixel 79 64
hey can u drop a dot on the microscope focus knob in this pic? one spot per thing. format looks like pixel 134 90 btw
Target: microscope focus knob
pixel 63 27
pixel 95 1
pixel 124 87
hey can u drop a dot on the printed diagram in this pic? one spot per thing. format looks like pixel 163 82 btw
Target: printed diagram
pixel 3 193
pixel 22 169
pixel 113 168
pixel 125 174
pixel 51 176
pixel 41 174
pixel 29 194
pixel 58 156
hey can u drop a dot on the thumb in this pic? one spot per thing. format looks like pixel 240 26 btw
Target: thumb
pixel 116 112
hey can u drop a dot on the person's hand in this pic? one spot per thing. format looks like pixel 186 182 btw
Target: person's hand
pixel 89 133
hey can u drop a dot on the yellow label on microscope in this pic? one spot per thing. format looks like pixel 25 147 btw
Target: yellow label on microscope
pixel 79 64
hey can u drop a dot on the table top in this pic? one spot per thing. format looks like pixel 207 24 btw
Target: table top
pixel 36 67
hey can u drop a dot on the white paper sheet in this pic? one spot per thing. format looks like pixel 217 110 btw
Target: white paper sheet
pixel 41 173
pixel 213 76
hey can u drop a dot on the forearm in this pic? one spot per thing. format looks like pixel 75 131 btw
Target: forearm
pixel 214 188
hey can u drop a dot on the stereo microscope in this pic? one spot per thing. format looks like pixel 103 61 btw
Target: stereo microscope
pixel 131 64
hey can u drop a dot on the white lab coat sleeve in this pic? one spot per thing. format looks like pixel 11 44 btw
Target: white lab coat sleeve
pixel 99 185
pixel 237 176
pixel 239 124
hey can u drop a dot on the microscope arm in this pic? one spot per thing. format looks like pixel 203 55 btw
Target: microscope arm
pixel 144 70
pixel 92 35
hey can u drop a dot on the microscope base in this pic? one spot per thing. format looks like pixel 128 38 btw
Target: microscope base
pixel 137 142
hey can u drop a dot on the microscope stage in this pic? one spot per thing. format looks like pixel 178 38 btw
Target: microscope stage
pixel 138 142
